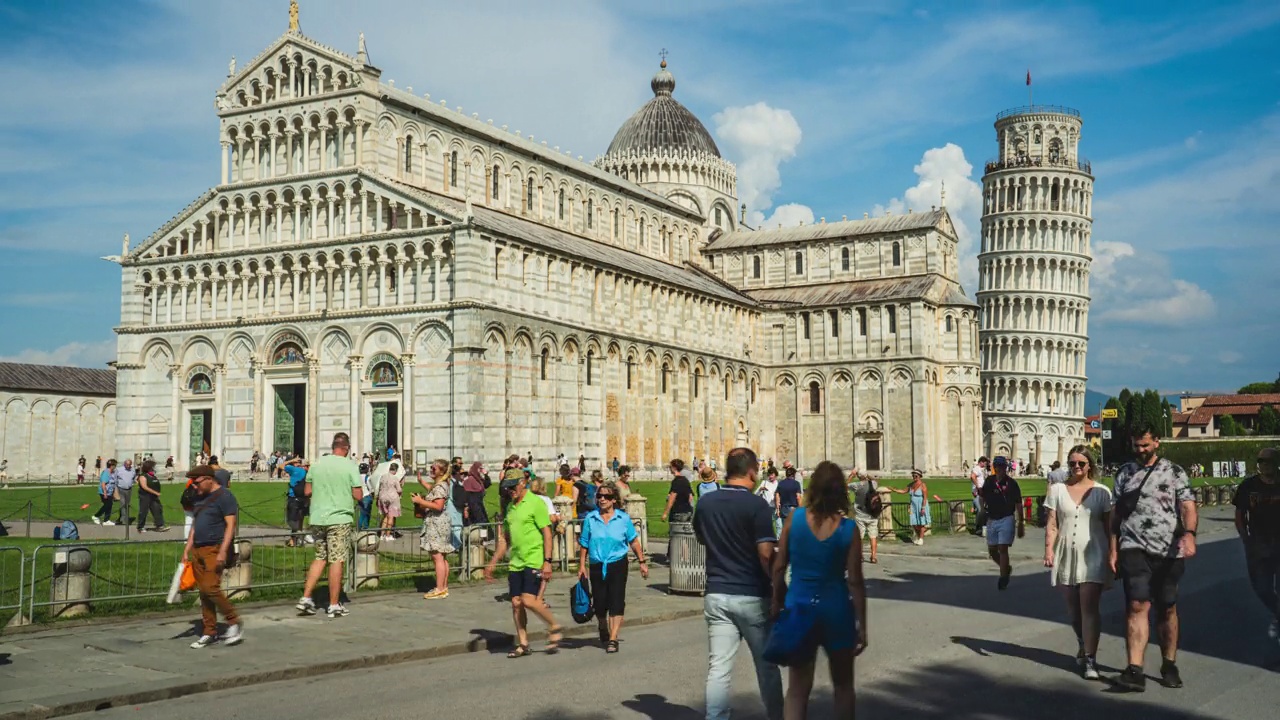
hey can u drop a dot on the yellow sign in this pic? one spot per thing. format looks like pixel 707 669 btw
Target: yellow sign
pixel 1110 413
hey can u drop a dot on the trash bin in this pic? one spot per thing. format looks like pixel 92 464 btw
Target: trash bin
pixel 687 560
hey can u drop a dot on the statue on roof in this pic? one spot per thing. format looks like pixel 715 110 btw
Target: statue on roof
pixel 293 16
pixel 231 67
pixel 124 250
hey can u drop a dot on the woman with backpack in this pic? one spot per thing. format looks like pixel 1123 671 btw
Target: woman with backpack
pixel 607 534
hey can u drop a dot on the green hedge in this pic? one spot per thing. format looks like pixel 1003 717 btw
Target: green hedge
pixel 1191 452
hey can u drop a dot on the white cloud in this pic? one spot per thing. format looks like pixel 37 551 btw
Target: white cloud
pixel 78 354
pixel 759 138
pixel 1105 256
pixel 1173 304
pixel 788 215
pixel 1229 357
pixel 947 166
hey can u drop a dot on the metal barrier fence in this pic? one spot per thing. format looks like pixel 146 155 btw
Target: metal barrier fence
pixel 13 568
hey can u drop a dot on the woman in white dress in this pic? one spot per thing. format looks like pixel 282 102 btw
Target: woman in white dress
pixel 1078 544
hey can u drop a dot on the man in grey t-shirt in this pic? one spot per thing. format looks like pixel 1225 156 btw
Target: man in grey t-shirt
pixel 1155 519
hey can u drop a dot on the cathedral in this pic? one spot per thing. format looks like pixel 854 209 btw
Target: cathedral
pixel 376 263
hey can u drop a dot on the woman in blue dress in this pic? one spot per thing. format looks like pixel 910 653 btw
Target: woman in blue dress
pixel 824 552
pixel 918 517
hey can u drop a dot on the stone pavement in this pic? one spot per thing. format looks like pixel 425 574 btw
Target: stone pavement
pixel 48 672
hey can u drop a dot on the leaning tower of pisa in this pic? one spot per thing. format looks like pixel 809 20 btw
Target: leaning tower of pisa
pixel 1033 285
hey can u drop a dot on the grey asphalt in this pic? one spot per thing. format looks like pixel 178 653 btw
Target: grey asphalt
pixel 944 642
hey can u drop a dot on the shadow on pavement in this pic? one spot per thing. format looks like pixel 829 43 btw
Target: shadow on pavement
pixel 1223 620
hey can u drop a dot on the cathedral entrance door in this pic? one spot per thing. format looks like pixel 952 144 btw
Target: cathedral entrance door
pixel 290 418
pixel 385 418
pixel 873 455
pixel 200 436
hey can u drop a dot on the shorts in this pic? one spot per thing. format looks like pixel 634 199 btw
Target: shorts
pixel 527 581
pixel 333 542
pixel 609 590
pixel 865 528
pixel 1000 531
pixel 1149 578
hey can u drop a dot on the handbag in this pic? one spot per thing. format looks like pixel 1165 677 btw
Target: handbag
pixel 793 639
pixel 580 604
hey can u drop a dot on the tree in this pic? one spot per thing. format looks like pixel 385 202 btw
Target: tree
pixel 1229 427
pixel 1268 421
pixel 1259 388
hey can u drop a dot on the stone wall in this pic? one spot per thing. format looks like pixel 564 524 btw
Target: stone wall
pixel 43 434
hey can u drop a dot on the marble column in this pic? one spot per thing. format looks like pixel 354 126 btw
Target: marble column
pixel 407 423
pixel 313 404
pixel 175 423
pixel 219 408
pixel 356 363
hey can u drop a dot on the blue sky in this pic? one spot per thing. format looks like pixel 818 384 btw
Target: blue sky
pixel 828 109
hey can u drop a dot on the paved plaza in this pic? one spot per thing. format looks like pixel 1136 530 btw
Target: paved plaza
pixel 944 642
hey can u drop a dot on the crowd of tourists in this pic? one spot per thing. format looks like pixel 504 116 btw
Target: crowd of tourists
pixel 784 553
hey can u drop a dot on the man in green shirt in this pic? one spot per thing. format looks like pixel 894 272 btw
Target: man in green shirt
pixel 334 487
pixel 527 533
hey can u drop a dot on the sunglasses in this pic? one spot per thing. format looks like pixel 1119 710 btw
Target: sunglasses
pixel 604 497
pixel 1079 463
pixel 1269 461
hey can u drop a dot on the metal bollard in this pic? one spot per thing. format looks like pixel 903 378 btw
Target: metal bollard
pixel 72 586
pixel 1198 492
pixel 237 579
pixel 366 561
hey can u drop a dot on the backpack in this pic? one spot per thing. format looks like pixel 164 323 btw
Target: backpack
pixel 68 531
pixel 457 495
pixel 707 487
pixel 873 505
pixel 580 602
pixel 586 497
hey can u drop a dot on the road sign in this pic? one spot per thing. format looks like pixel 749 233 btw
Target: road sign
pixel 1094 424
pixel 1110 413
pixel 1106 434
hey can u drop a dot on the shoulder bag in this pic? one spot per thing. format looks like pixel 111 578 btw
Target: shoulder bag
pixel 1127 503
pixel 793 639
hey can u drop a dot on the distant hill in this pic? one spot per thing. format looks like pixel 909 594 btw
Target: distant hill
pixel 1094 400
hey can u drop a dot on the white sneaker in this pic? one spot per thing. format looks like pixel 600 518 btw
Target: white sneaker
pixel 1091 670
pixel 108 522
pixel 918 541
pixel 233 635
pixel 203 642
pixel 337 611
pixel 306 606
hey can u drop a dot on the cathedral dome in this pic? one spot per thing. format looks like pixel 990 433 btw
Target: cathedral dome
pixel 663 124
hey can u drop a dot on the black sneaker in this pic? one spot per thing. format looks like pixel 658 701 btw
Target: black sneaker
pixel 1004 581
pixel 1169 675
pixel 1132 679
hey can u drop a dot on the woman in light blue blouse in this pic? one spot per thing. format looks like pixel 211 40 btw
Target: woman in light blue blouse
pixel 607 533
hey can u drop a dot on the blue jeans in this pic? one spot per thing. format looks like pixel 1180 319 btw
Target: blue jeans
pixel 366 505
pixel 730 620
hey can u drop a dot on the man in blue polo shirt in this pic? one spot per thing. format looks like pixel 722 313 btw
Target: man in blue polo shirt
pixel 736 526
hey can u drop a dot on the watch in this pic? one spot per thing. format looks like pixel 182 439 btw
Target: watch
pixel 546 561
pixel 1190 532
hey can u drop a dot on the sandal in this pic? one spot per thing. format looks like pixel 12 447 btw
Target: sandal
pixel 611 647
pixel 554 636
pixel 519 652
pixel 875 561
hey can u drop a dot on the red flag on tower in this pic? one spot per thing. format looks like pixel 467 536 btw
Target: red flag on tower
pixel 1028 77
